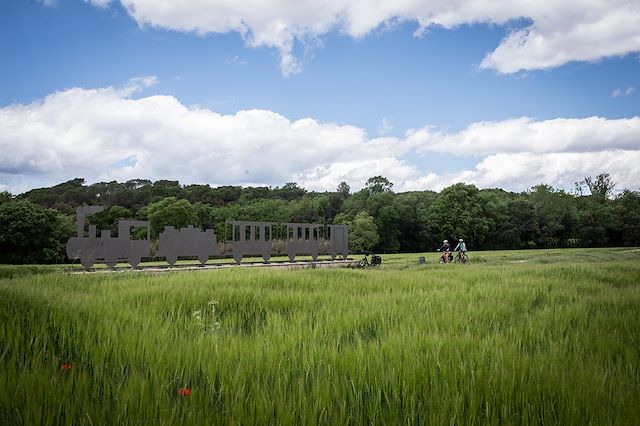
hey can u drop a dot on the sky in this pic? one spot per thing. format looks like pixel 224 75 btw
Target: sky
pixel 428 93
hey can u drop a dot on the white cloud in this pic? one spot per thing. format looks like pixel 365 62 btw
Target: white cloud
pixel 99 3
pixel 236 60
pixel 559 32
pixel 620 92
pixel 521 171
pixel 385 126
pixel 139 83
pixel 106 134
pixel 593 134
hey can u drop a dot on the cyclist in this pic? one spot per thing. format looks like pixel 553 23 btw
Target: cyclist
pixel 445 249
pixel 461 248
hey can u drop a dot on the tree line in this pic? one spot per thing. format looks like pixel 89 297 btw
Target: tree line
pixel 35 225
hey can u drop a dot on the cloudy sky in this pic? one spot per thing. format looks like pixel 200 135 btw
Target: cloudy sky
pixel 497 93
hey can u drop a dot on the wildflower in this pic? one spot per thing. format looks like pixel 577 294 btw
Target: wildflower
pixel 184 391
pixel 66 367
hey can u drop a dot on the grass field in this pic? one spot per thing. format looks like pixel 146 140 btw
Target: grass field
pixel 517 337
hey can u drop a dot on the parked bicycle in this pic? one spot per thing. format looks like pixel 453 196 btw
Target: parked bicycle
pixel 374 262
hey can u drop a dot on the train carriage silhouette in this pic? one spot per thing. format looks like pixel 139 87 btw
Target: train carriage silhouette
pixel 338 240
pixel 302 238
pixel 248 238
pixel 110 250
pixel 189 241
pixel 251 238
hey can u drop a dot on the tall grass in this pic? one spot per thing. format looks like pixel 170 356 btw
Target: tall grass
pixel 512 337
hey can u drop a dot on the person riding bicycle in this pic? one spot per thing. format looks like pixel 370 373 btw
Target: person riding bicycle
pixel 445 249
pixel 461 248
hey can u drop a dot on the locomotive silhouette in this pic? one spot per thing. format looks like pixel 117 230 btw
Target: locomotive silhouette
pixel 247 238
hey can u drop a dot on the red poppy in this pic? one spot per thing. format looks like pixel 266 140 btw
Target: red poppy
pixel 66 367
pixel 184 391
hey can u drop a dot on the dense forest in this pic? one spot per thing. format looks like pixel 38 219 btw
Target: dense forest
pixel 35 226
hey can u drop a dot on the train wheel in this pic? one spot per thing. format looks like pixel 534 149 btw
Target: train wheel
pixel 134 262
pixel 203 259
pixel 171 260
pixel 266 258
pixel 237 258
pixel 86 263
pixel 111 264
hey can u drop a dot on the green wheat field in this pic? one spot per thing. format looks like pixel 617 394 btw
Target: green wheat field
pixel 513 337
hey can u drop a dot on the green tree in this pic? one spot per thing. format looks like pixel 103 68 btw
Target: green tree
pixel 290 191
pixel 32 234
pixel 108 218
pixel 413 224
pixel 521 228
pixel 342 219
pixel 166 188
pixel 268 210
pixel 601 187
pixel 378 184
pixel 335 202
pixel 495 206
pixel 251 193
pixel 72 192
pixel 363 232
pixel 343 189
pixel 459 212
pixel 200 194
pixel 205 215
pixel 307 209
pixel 227 194
pixel 597 222
pixel 170 212
pixel 382 207
pixel 627 209
pixel 5 197
pixel 556 215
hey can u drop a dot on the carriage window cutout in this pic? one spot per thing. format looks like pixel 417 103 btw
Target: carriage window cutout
pixel 138 233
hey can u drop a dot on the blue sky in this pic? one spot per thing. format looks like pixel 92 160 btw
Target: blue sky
pixel 118 90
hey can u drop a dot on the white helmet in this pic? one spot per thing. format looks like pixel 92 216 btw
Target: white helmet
pixel 461 240
pixel 445 241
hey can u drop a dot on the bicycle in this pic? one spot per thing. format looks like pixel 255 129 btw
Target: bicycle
pixel 446 257
pixel 375 261
pixel 461 257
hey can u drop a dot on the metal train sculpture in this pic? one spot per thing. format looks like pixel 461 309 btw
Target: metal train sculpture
pixel 247 239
